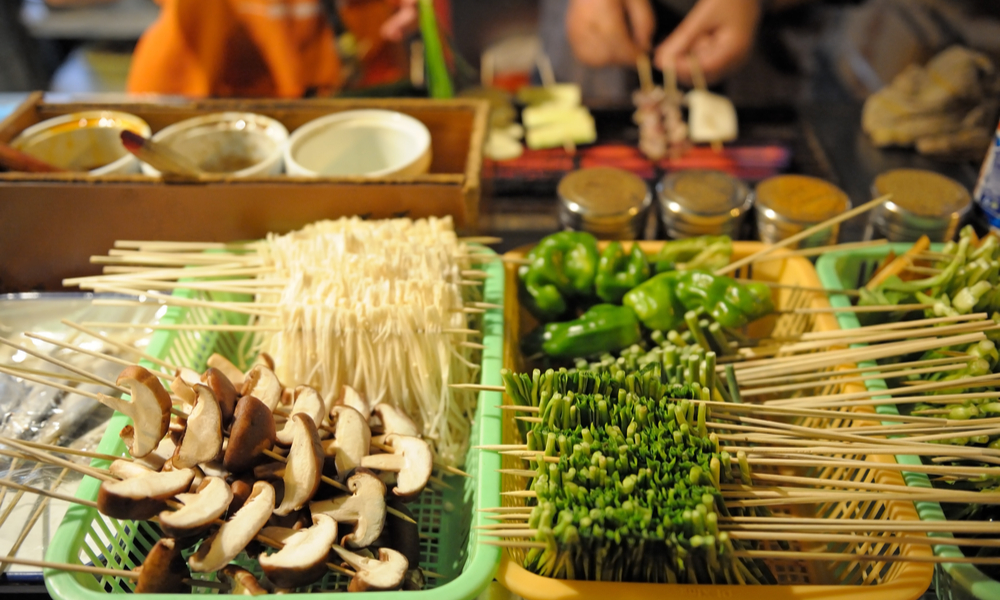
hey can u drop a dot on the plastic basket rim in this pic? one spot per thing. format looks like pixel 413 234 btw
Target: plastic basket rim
pixel 972 580
pixel 480 567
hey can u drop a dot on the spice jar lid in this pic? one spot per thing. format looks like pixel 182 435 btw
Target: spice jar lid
pixel 923 194
pixel 704 192
pixel 605 201
pixel 799 199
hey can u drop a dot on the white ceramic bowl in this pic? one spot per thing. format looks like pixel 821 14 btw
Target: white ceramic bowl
pixel 361 143
pixel 240 144
pixel 84 141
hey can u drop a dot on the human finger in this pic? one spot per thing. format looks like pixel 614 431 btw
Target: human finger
pixel 642 23
pixel 400 23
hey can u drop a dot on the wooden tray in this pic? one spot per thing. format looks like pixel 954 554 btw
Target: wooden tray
pixel 50 224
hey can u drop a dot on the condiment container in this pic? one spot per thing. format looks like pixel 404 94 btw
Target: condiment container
pixel 922 203
pixel 703 202
pixel 610 203
pixel 789 204
pixel 87 141
pixel 240 144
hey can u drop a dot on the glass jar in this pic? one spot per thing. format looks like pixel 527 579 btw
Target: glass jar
pixel 789 204
pixel 703 202
pixel 922 203
pixel 610 203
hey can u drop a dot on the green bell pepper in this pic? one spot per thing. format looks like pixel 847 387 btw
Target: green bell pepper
pixel 655 302
pixel 726 300
pixel 618 272
pixel 708 252
pixel 562 267
pixel 604 328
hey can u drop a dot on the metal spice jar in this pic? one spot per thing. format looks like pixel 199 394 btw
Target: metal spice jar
pixel 703 202
pixel 610 203
pixel 789 204
pixel 922 203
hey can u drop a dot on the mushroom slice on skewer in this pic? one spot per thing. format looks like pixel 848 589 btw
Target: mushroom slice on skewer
pixel 411 460
pixel 149 410
pixel 234 535
pixel 127 469
pixel 224 390
pixel 202 440
pixel 228 369
pixel 304 467
pixel 394 421
pixel 184 391
pixel 241 582
pixel 303 559
pixel 308 401
pixel 263 384
pixel 365 508
pixel 384 573
pixel 199 511
pixel 265 359
pixel 164 570
pixel 159 457
pixel 352 440
pixel 141 497
pixel 355 399
pixel 251 434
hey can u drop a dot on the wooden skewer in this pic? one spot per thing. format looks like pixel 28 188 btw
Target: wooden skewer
pixel 181 326
pixel 645 70
pixel 509 517
pixel 505 509
pixel 821 250
pixel 101 571
pixel 46 493
pixel 518 472
pixel 246 308
pixel 64 365
pixel 801 288
pixel 866 465
pixel 120 345
pixel 81 350
pixel 824 524
pixel 166 245
pixel 915 324
pixel 484 240
pixel 803 235
pixel 883 369
pixel 477 387
pixel 51 374
pixel 46 457
pixel 894 335
pixel 854 309
pixel 65 388
pixel 229 270
pixel 850 557
pixel 530 419
pixel 517 408
pixel 73 451
pixel 844 380
pixel 181 258
pixel 978 381
pixel 518 545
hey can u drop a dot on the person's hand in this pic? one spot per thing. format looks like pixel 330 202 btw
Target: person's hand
pixel 609 32
pixel 719 32
pixel 402 23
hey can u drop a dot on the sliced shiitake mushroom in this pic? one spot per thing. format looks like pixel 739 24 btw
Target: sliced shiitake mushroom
pixel 158 458
pixel 411 460
pixel 384 573
pixel 355 399
pixel 141 497
pixel 149 410
pixel 303 558
pixel 127 469
pixel 304 466
pixel 202 439
pixel 352 440
pixel 364 508
pixel 306 400
pixel 394 421
pixel 263 384
pixel 231 371
pixel 225 392
pixel 242 582
pixel 200 509
pixel 234 535
pixel 164 570
pixel 252 433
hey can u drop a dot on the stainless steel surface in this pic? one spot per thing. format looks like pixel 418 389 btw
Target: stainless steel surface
pixel 923 203
pixel 788 204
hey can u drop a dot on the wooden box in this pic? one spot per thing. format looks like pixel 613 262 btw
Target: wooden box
pixel 50 224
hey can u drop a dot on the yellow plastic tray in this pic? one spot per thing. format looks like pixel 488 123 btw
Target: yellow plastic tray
pixel 808 580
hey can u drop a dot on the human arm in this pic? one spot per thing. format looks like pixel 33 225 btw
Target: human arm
pixel 609 32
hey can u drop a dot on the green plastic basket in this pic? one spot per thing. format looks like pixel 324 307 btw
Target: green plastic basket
pixel 957 581
pixel 449 544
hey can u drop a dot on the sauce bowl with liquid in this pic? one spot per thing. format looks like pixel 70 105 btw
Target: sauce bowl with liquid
pixel 87 141
pixel 237 144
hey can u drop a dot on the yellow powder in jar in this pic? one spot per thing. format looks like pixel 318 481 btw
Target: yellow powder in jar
pixel 802 199
pixel 923 193
pixel 705 192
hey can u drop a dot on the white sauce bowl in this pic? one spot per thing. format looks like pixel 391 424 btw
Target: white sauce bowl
pixel 360 143
pixel 239 144
pixel 88 141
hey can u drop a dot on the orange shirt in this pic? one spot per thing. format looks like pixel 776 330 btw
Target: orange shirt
pixel 276 48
